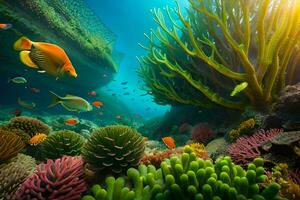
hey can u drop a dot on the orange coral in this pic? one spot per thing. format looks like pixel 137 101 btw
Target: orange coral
pixel 37 139
pixel 10 145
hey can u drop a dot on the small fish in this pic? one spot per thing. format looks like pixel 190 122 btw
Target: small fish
pixel 239 88
pixel 37 139
pixel 5 26
pixel 150 92
pixel 124 83
pixel 18 80
pixel 126 93
pixel 97 104
pixel 71 121
pixel 119 117
pixel 169 142
pixel 41 71
pixel 28 105
pixel 16 112
pixel 45 57
pixel 71 103
pixel 92 93
pixel 35 90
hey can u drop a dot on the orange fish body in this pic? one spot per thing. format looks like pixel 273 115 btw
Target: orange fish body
pixel 5 26
pixel 97 104
pixel 169 142
pixel 71 121
pixel 45 57
pixel 37 139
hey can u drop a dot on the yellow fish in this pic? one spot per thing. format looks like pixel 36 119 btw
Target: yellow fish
pixel 239 88
pixel 71 103
pixel 45 57
pixel 37 139
pixel 25 104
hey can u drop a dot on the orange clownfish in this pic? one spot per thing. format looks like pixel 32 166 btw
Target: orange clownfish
pixel 37 139
pixel 169 142
pixel 45 57
pixel 5 26
pixel 71 121
pixel 97 104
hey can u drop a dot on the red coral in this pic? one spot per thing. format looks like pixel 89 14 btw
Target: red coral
pixel 201 133
pixel 60 180
pixel 245 149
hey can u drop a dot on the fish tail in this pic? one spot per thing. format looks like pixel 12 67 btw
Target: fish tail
pixel 23 44
pixel 55 99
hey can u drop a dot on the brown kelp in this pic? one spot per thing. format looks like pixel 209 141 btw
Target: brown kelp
pixel 200 58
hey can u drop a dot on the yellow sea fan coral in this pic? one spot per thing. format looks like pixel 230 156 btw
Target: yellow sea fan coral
pixel 199 150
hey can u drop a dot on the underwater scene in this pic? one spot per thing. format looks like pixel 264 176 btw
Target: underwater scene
pixel 149 100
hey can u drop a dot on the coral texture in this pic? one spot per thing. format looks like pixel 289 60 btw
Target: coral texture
pixel 25 137
pixel 13 173
pixel 244 127
pixel 188 177
pixel 246 148
pixel 58 179
pixel 199 150
pixel 113 149
pixel 201 133
pixel 29 125
pixel 10 145
pixel 61 143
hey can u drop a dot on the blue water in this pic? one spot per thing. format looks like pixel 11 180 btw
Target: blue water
pixel 129 20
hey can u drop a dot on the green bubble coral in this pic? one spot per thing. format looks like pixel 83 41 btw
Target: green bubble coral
pixel 61 143
pixel 113 149
pixel 188 177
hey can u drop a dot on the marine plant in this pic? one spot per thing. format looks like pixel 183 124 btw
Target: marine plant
pixel 246 148
pixel 62 178
pixel 201 133
pixel 113 149
pixel 245 126
pixel 200 57
pixel 10 145
pixel 13 173
pixel 189 177
pixel 29 125
pixel 61 143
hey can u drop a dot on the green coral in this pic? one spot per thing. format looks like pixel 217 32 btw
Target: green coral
pixel 199 58
pixel 13 173
pixel 189 177
pixel 61 143
pixel 113 149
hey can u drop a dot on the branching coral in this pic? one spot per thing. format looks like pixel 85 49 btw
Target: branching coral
pixel 220 44
pixel 29 125
pixel 201 133
pixel 13 173
pixel 10 146
pixel 246 148
pixel 113 149
pixel 62 143
pixel 57 179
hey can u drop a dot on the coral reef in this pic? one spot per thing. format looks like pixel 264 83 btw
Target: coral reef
pixel 113 149
pixel 29 125
pixel 246 148
pixel 57 179
pixel 10 145
pixel 25 137
pixel 61 143
pixel 13 173
pixel 189 177
pixel 244 127
pixel 217 147
pixel 156 157
pixel 201 133
pixel 198 59
pixel 199 150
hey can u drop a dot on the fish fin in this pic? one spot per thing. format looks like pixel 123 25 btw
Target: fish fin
pixel 23 44
pixel 40 57
pixel 55 99
pixel 71 110
pixel 26 60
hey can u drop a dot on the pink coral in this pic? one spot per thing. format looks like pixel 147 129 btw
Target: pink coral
pixel 201 133
pixel 62 178
pixel 246 148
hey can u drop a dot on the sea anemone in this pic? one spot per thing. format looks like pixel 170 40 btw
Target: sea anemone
pixel 58 179
pixel 61 143
pixel 13 173
pixel 113 149
pixel 10 146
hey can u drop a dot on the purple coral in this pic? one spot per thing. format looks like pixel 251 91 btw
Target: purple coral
pixel 201 133
pixel 58 179
pixel 246 148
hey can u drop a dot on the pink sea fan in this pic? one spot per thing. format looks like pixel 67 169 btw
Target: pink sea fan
pixel 201 133
pixel 60 179
pixel 246 148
